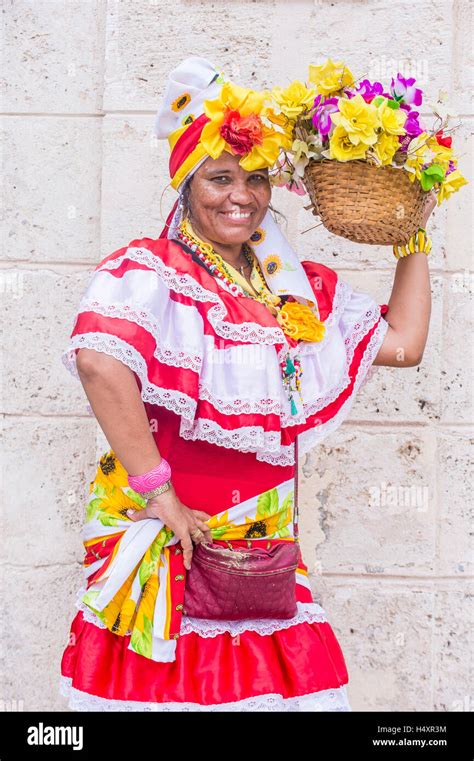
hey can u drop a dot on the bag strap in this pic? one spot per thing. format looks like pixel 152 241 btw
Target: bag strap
pixel 295 497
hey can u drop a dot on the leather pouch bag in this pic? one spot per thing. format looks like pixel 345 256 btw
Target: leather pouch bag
pixel 232 584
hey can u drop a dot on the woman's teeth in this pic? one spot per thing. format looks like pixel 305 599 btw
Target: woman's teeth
pixel 237 215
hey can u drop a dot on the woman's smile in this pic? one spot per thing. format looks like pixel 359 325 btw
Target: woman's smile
pixel 237 216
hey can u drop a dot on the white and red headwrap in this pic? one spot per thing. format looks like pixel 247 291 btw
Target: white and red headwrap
pixel 181 119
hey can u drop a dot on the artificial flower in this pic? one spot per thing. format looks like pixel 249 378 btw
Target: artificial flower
pixel 358 118
pixel 391 120
pixel 431 175
pixel 294 99
pixel 418 155
pixel 342 148
pixel 302 153
pixel 404 90
pixel 369 90
pixel 412 125
pixel 331 77
pixel 322 116
pixel 236 125
pixel 442 154
pixel 451 184
pixel 443 140
pixel 300 322
pixel 385 147
pixel 241 132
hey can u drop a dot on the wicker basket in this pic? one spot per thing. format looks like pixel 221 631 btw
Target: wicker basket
pixel 364 202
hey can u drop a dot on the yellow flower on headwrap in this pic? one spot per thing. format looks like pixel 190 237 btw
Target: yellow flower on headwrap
pixel 241 124
pixel 295 99
pixel 299 321
pixel 331 77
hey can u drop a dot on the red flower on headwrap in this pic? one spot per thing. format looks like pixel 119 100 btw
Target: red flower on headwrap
pixel 241 132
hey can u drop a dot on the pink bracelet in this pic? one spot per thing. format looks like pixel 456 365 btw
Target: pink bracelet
pixel 151 480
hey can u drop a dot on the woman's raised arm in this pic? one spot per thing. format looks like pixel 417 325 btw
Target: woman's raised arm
pixel 409 308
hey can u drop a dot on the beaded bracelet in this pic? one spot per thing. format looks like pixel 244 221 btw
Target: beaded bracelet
pixel 419 242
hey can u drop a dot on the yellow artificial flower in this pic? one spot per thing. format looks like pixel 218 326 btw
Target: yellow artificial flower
pixel 294 99
pixel 358 118
pixel 442 154
pixel 241 124
pixel 386 147
pixel 342 148
pixel 418 154
pixel 331 77
pixel 451 184
pixel 300 322
pixel 391 119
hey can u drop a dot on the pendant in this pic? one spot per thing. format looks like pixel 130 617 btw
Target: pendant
pixel 291 374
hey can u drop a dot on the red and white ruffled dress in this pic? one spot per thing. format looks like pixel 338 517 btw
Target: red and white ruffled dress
pixel 207 364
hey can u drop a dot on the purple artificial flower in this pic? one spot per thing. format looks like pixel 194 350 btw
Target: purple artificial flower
pixel 322 116
pixel 411 125
pixel 404 89
pixel 369 90
pixel 451 168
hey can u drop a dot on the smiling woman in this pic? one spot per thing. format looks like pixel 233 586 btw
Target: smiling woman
pixel 207 354
pixel 225 205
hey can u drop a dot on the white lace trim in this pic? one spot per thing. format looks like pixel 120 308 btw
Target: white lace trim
pixel 265 444
pixel 165 354
pixel 210 628
pixel 307 613
pixel 335 699
pixel 183 283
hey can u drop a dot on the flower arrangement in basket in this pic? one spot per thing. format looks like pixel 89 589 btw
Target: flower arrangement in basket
pixel 363 154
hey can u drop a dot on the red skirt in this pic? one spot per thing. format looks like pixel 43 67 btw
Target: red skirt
pixel 252 665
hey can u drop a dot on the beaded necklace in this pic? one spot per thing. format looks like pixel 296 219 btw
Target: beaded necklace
pixel 291 370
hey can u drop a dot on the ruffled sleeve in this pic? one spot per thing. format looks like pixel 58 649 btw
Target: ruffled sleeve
pixel 216 359
pixel 130 311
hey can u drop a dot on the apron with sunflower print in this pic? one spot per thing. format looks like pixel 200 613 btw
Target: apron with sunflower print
pixel 135 575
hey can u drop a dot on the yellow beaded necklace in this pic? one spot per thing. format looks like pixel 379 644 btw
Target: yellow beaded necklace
pixel 296 320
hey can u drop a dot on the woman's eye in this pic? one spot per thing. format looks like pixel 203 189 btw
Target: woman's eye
pixel 220 178
pixel 258 177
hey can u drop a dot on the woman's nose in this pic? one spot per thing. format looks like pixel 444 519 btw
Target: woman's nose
pixel 241 194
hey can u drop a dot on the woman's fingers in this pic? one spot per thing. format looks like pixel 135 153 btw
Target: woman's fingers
pixel 205 530
pixel 187 546
pixel 139 515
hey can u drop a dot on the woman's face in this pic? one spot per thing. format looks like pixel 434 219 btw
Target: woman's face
pixel 227 203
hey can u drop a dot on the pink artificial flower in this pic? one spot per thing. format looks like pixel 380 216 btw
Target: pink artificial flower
pixel 322 116
pixel 404 90
pixel 369 90
pixel 296 186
